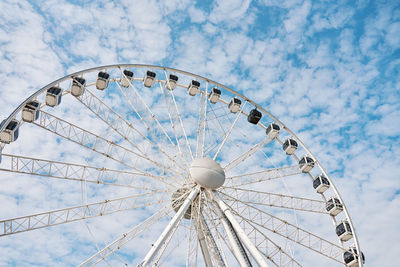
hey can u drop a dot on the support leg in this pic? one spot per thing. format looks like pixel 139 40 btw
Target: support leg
pixel 239 231
pixel 238 249
pixel 208 245
pixel 169 229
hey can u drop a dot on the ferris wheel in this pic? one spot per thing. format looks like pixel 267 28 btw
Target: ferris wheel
pixel 213 178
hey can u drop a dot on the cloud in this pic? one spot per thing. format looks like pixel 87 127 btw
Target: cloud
pixel 229 10
pixel 297 17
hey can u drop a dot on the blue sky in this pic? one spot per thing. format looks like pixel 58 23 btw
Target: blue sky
pixel 328 69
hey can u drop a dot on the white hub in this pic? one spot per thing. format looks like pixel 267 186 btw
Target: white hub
pixel 207 173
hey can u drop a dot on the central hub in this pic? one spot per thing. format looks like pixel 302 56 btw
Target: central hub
pixel 207 173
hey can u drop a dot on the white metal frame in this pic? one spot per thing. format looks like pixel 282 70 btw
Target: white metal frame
pixel 174 168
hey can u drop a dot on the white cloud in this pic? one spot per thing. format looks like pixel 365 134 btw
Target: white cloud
pixel 229 10
pixel 196 15
pixel 282 4
pixel 392 35
pixel 386 126
pixel 297 17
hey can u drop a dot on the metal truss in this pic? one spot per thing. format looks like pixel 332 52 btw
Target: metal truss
pixel 228 218
pixel 207 243
pixel 264 220
pixel 74 172
pixel 266 246
pixel 96 143
pixel 237 247
pixel 271 250
pixel 61 216
pixel 255 197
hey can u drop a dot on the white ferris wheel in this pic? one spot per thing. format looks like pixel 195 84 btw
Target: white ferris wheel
pixel 216 180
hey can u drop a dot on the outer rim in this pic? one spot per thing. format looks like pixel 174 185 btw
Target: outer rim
pixel 283 126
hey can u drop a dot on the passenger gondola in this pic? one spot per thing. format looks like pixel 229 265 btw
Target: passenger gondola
pixel 193 88
pixel 126 78
pixel 234 105
pixel 172 81
pixel 351 257
pixel 149 78
pixel 30 112
pixel 254 116
pixel 103 79
pixel 214 95
pixel 343 230
pixel 78 86
pixel 273 130
pixel 333 206
pixel 321 184
pixel 53 96
pixel 10 132
pixel 290 146
pixel 306 164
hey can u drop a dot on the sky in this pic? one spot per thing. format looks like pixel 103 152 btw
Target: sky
pixel 328 69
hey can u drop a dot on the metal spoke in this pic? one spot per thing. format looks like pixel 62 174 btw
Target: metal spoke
pixel 261 176
pixel 229 131
pixel 179 242
pixel 218 125
pixel 61 216
pixel 73 172
pixel 274 200
pixel 120 125
pixel 93 142
pixel 165 244
pixel 131 96
pixel 246 155
pixel 128 236
pixel 172 122
pixel 262 219
pixel 181 123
